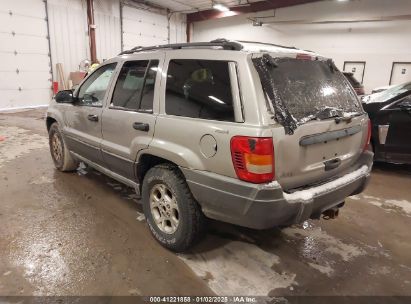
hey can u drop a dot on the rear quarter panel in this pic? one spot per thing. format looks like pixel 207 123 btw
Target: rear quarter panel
pixel 178 138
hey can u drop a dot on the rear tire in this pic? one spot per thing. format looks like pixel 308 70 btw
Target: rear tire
pixel 61 156
pixel 174 217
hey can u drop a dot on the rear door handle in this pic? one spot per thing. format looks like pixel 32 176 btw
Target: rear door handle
pixel 92 117
pixel 141 126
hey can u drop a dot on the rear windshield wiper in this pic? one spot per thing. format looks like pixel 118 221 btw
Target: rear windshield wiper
pixel 330 112
pixel 347 117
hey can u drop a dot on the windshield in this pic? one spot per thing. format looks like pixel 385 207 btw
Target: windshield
pixel 299 89
pixel 389 93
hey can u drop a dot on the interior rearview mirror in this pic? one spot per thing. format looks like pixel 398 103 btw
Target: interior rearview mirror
pixel 65 96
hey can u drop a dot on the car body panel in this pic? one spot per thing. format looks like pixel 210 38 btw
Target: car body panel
pixel 297 166
pixel 84 135
pixel 121 142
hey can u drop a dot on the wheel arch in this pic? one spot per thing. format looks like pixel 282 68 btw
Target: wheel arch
pixel 49 121
pixel 147 161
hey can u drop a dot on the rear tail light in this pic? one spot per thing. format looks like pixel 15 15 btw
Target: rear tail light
pixel 253 158
pixel 367 142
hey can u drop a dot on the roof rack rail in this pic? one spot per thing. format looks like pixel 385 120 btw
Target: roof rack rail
pixel 223 43
pixel 272 44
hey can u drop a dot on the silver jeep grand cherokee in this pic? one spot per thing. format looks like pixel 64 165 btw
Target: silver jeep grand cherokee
pixel 253 134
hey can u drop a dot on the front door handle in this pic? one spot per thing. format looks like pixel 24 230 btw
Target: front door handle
pixel 141 126
pixel 92 117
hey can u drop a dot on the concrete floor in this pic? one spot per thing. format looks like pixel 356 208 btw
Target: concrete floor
pixel 83 234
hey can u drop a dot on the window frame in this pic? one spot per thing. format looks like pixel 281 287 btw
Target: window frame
pixel 234 77
pixel 113 107
pixel 108 89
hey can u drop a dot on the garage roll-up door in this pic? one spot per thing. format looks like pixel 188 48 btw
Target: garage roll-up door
pixel 25 78
pixel 143 28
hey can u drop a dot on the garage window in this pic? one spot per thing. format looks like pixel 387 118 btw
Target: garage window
pixel 199 89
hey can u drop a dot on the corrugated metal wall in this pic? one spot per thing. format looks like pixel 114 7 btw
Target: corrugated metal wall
pixel 108 32
pixel 25 48
pixel 69 34
pixel 141 26
pixel 178 26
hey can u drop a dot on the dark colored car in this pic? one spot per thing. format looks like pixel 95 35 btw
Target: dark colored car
pixel 358 87
pixel 390 115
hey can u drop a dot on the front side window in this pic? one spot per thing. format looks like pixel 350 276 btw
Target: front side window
pixel 199 89
pixel 93 90
pixel 135 86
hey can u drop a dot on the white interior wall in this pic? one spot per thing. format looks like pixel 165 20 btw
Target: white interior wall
pixel 379 44
pixel 146 26
pixel 25 78
pixel 143 26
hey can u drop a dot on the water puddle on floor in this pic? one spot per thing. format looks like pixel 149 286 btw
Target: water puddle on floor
pixel 17 142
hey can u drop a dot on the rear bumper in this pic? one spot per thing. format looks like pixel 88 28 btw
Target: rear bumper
pixel 262 206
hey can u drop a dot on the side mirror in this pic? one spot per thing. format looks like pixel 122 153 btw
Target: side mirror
pixel 65 96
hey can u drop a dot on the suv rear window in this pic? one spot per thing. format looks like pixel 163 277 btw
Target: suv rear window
pixel 300 89
pixel 199 89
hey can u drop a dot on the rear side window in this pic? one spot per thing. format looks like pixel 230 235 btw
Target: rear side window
pixel 135 86
pixel 147 95
pixel 199 89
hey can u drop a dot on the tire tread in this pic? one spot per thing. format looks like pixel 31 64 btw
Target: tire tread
pixel 197 220
pixel 69 163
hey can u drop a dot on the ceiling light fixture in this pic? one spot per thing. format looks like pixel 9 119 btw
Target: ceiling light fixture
pixel 220 7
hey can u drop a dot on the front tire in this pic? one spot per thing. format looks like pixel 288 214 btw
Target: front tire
pixel 61 156
pixel 174 217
